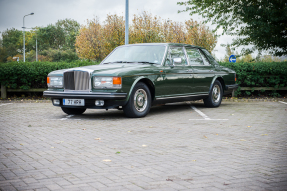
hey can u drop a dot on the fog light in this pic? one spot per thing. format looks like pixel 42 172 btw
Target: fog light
pixel 99 102
pixel 56 102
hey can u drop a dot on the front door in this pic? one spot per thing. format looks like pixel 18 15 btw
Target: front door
pixel 177 78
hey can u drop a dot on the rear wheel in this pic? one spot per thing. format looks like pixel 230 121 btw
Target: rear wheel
pixel 215 95
pixel 73 111
pixel 139 102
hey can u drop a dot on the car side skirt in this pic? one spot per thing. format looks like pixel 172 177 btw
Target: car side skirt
pixel 162 100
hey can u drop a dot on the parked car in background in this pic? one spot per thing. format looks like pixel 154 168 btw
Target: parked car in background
pixel 136 76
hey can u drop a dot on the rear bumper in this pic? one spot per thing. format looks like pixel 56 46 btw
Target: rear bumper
pixel 230 88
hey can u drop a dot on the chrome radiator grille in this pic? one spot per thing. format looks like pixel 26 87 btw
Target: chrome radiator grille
pixel 76 80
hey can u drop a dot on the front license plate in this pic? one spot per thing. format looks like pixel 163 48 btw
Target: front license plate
pixel 75 102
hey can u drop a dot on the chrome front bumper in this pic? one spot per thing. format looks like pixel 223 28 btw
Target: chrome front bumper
pixel 85 95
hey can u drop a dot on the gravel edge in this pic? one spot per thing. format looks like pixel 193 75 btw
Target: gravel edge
pixel 223 100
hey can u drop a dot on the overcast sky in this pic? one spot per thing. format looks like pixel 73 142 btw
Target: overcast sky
pixel 50 11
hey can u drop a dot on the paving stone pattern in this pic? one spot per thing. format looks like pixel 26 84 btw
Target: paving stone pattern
pixel 172 148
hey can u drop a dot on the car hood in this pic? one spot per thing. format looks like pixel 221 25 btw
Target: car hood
pixel 109 69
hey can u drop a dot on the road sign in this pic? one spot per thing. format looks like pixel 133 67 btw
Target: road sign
pixel 232 58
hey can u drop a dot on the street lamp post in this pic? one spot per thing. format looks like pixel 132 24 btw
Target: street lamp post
pixel 127 23
pixel 24 35
pixel 36 49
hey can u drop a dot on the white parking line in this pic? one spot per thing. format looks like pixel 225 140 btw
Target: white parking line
pixel 200 113
pixel 208 119
pixel 69 116
pixel 282 102
pixel 204 116
pixel 5 104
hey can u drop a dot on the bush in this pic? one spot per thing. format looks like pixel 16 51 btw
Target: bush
pixel 259 74
pixel 26 75
pixel 55 55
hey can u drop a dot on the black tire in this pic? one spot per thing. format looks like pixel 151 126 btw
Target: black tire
pixel 73 111
pixel 139 102
pixel 215 95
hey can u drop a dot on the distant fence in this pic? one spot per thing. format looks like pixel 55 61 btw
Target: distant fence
pixel 4 90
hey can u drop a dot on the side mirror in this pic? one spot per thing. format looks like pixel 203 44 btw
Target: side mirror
pixel 177 60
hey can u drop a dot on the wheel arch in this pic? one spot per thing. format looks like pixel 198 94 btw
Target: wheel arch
pixel 220 79
pixel 146 81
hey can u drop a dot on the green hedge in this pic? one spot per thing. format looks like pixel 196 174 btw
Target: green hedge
pixel 26 75
pixel 259 74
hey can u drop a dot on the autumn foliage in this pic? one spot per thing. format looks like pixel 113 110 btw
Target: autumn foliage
pixel 95 40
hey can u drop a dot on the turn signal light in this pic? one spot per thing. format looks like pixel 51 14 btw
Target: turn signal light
pixel 117 80
pixel 48 80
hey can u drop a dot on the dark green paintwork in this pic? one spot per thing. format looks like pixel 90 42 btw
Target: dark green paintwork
pixel 167 80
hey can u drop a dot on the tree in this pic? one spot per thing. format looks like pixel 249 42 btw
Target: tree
pixel 146 28
pixel 229 52
pixel 113 33
pixel 71 29
pixel 89 42
pixel 3 54
pixel 12 42
pixel 50 37
pixel 95 41
pixel 261 23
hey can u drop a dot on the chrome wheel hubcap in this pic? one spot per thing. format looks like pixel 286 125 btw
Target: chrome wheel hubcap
pixel 140 100
pixel 216 94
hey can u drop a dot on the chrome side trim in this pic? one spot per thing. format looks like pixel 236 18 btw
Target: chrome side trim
pixel 181 96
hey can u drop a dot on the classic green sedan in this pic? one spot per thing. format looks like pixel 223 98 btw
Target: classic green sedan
pixel 134 77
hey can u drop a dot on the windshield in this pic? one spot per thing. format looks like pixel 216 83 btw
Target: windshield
pixel 137 54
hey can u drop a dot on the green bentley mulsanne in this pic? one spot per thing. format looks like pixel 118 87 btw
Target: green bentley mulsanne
pixel 134 77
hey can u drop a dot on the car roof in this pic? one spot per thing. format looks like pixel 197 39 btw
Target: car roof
pixel 165 44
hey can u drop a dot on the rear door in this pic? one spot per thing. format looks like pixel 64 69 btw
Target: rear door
pixel 203 71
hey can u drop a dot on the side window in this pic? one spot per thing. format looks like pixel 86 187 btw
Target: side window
pixel 205 61
pixel 194 56
pixel 177 52
pixel 209 56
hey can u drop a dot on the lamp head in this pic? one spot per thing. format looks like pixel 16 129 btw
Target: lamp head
pixel 31 14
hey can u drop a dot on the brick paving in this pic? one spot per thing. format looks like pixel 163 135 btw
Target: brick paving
pixel 173 148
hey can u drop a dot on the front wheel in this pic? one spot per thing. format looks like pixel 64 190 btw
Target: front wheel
pixel 73 111
pixel 215 95
pixel 139 102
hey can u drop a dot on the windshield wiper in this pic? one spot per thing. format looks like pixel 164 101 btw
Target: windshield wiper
pixel 145 62
pixel 117 62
